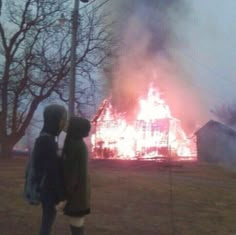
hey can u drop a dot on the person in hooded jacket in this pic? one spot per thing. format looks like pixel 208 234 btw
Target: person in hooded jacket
pixel 48 165
pixel 76 174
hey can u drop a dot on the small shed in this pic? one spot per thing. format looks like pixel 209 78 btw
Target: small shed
pixel 216 143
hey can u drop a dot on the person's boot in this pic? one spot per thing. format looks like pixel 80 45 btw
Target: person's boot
pixel 77 230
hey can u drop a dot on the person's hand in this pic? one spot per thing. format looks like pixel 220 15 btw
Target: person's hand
pixel 60 206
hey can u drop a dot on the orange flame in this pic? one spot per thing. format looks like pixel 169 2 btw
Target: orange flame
pixel 155 134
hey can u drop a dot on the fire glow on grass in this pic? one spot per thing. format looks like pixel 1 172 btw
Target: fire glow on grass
pixel 155 134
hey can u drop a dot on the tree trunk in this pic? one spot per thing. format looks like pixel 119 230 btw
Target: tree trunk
pixel 6 150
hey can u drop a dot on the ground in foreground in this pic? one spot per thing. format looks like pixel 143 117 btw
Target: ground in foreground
pixel 134 198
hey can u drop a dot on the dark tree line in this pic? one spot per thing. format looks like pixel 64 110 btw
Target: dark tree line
pixel 226 113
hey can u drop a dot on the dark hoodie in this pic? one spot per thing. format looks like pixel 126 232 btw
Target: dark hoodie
pixel 47 163
pixel 76 175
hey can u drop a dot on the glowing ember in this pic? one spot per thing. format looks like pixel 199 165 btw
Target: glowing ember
pixel 155 134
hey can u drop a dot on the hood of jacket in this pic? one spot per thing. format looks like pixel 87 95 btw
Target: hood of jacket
pixel 53 114
pixel 78 128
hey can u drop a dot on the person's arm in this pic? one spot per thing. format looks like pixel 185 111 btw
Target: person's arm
pixel 44 153
pixel 82 173
pixel 47 165
pixel 75 168
pixel 40 155
pixel 71 166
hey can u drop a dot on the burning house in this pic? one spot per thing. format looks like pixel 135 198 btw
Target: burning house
pixel 153 134
pixel 216 143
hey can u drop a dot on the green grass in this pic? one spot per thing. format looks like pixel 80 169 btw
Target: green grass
pixel 134 198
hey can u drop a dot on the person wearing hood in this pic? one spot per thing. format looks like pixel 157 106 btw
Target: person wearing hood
pixel 48 165
pixel 76 174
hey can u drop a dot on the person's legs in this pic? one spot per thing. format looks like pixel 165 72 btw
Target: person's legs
pixel 48 213
pixel 77 230
pixel 76 225
pixel 48 218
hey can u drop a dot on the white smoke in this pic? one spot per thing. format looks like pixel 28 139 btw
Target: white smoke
pixel 181 47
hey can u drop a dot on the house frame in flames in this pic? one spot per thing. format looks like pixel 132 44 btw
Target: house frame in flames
pixel 115 137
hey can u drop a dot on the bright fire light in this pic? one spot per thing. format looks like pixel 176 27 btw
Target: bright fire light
pixel 154 135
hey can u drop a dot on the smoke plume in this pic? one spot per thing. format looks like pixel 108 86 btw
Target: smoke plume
pixel 146 55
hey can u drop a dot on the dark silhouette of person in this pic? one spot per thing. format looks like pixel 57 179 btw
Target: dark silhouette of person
pixel 76 174
pixel 48 165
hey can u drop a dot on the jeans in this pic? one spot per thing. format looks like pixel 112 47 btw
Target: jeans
pixel 48 214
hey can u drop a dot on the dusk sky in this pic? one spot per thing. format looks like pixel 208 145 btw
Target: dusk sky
pixel 201 43
pixel 208 50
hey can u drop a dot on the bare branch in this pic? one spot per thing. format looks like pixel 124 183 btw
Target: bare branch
pixel 36 59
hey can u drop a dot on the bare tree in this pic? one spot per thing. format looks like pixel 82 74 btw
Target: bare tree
pixel 35 60
pixel 226 113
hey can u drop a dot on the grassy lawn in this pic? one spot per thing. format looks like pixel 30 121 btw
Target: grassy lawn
pixel 134 198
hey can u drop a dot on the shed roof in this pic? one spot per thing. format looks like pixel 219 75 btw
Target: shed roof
pixel 218 126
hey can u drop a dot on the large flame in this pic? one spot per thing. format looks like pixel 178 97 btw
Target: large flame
pixel 155 134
